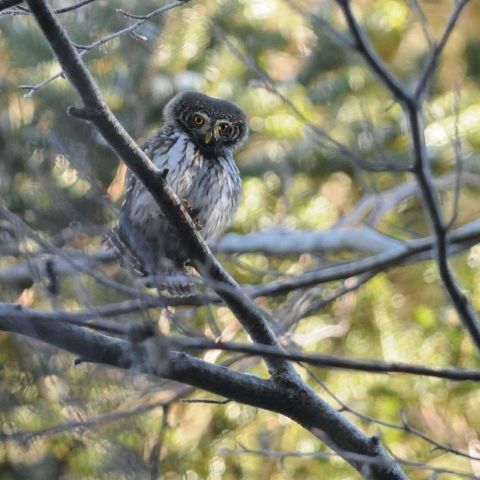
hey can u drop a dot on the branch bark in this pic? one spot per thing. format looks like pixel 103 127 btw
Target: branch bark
pixel 150 357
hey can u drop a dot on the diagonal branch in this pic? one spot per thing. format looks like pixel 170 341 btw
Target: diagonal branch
pixel 432 61
pixel 151 357
pixel 363 46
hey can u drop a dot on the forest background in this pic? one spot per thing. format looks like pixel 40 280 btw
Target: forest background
pixel 327 160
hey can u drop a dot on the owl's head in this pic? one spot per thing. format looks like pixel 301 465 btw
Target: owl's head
pixel 212 124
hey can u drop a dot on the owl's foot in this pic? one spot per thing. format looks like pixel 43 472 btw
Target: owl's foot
pixel 193 214
pixel 173 284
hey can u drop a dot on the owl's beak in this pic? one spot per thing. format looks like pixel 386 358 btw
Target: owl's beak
pixel 208 136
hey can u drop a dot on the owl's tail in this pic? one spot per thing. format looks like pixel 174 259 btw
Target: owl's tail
pixel 162 275
pixel 116 241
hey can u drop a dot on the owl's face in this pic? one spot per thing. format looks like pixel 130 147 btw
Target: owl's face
pixel 212 124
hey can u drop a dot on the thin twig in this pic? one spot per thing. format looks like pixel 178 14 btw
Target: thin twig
pixel 432 62
pixel 107 38
pixel 404 426
pixel 25 11
pixel 329 361
pixel 427 31
pixel 374 61
pixel 320 133
pixel 154 458
pixel 457 148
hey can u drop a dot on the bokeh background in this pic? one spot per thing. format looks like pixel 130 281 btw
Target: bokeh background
pixel 284 67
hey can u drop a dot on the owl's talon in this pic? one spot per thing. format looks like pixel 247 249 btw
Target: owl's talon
pixel 192 213
pixel 165 173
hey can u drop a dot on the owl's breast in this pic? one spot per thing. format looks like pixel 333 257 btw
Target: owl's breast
pixel 215 194
pixel 211 187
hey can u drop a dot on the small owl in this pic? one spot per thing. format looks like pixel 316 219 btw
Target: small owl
pixel 194 150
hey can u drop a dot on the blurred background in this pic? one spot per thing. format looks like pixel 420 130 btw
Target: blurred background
pixel 284 64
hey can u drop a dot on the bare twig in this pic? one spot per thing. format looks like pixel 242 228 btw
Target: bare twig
pixel 457 148
pixel 26 437
pixel 427 31
pixel 25 11
pixel 283 455
pixel 364 47
pixel 107 38
pixel 319 304
pixel 154 458
pixel 330 361
pixel 351 156
pixel 404 426
pixel 206 400
pixel 432 62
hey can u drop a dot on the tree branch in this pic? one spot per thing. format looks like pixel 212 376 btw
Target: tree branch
pixel 363 46
pixel 432 61
pixel 150 357
pixel 23 275
pixel 412 105
pixel 9 312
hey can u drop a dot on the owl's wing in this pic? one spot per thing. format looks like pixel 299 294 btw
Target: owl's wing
pixel 122 238
pixel 159 142
pixel 142 234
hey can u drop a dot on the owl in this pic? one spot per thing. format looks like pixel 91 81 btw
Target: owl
pixel 194 150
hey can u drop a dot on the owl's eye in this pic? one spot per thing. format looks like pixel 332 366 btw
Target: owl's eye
pixel 198 120
pixel 223 127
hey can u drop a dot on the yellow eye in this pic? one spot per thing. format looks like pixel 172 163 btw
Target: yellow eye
pixel 222 127
pixel 198 120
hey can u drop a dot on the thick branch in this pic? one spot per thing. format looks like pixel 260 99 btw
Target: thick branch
pixel 299 404
pixel 24 316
